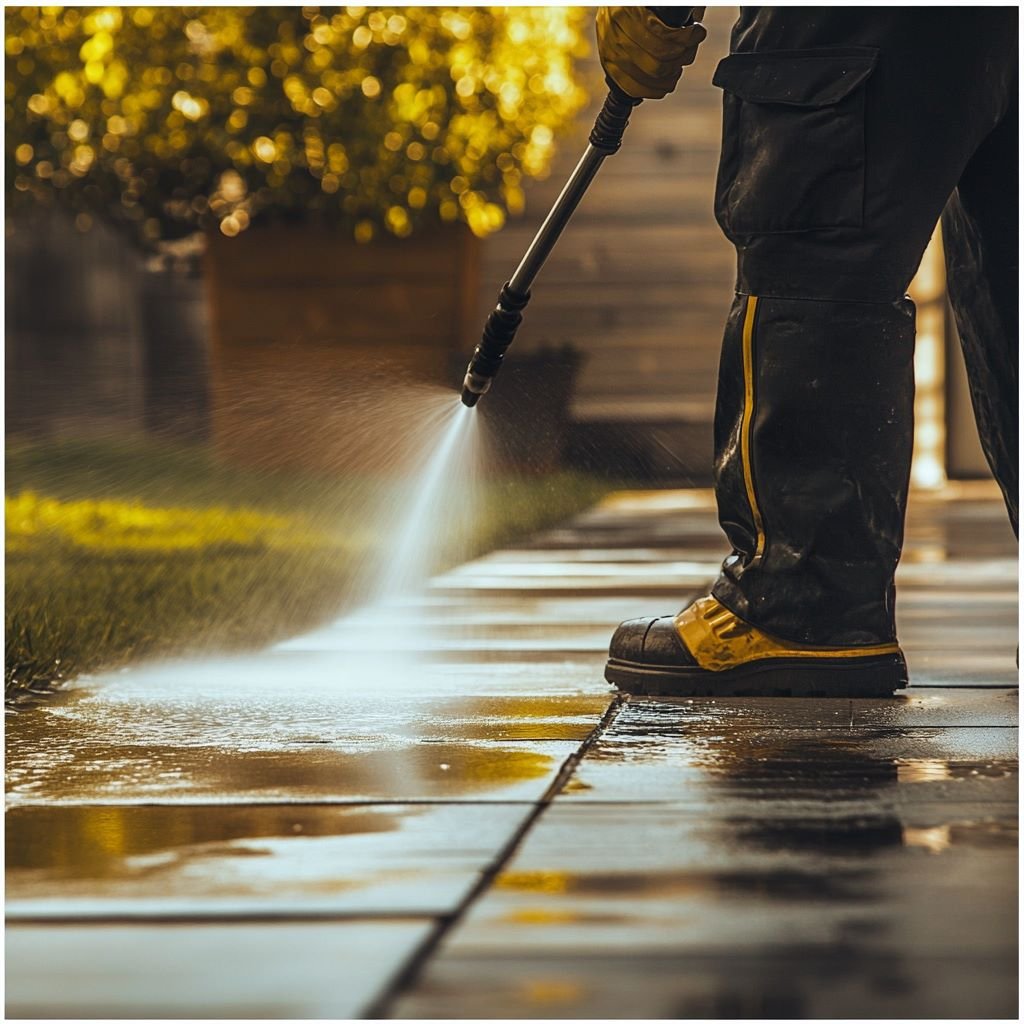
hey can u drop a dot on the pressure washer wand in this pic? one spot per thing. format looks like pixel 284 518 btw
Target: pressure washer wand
pixel 505 318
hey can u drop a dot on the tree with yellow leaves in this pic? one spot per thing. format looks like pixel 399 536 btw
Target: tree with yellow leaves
pixel 171 120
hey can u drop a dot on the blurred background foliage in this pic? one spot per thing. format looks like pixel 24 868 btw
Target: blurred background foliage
pixel 169 120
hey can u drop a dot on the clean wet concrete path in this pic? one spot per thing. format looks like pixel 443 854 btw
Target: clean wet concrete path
pixel 475 827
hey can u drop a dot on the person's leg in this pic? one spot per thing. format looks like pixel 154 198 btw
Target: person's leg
pixel 979 230
pixel 845 132
pixel 812 465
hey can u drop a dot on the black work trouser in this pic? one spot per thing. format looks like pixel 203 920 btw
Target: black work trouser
pixel 847 133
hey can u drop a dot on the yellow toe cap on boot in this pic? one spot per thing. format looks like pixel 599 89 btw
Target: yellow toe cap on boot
pixel 719 640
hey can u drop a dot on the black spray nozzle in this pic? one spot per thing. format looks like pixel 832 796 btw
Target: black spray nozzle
pixel 499 330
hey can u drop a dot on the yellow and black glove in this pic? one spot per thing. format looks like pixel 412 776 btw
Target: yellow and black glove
pixel 642 55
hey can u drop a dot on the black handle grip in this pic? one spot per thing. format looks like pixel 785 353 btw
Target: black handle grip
pixel 611 122
pixel 499 330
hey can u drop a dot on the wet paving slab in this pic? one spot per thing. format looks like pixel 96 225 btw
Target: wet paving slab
pixel 478 642
pixel 341 796
pixel 785 982
pixel 245 703
pixel 512 611
pixel 273 771
pixel 663 879
pixel 291 726
pixel 657 587
pixel 747 905
pixel 537 575
pixel 912 707
pixel 216 862
pixel 725 893
pixel 707 760
pixel 714 839
pixel 526 558
pixel 220 971
pixel 723 858
pixel 932 670
pixel 440 626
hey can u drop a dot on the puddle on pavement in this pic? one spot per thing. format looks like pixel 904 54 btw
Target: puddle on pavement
pixel 522 718
pixel 99 842
pixel 166 733
pixel 98 772
pixel 103 861
pixel 248 704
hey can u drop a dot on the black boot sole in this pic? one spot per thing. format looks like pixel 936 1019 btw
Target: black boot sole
pixel 879 676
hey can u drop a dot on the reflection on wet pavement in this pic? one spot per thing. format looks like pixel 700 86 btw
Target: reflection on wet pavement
pixel 287 726
pixel 141 861
pixel 704 761
pixel 785 981
pixel 686 858
pixel 717 888
pixel 317 770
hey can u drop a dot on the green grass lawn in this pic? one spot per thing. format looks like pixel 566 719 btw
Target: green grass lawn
pixel 122 551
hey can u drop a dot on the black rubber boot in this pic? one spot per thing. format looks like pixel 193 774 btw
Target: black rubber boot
pixel 706 650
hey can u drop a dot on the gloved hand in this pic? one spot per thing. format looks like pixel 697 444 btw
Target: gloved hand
pixel 640 54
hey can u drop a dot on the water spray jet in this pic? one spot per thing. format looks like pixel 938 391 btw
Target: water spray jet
pixel 504 320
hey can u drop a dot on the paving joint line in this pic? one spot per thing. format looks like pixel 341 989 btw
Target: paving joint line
pixel 407 977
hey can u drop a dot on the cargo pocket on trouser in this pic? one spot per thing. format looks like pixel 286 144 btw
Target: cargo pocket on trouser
pixel 793 155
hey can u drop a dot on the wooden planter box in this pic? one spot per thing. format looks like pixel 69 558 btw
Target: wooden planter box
pixel 310 332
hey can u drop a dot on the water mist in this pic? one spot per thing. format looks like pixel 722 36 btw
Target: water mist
pixel 424 524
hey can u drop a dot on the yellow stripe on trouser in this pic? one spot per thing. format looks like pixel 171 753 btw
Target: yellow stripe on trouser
pixel 716 637
pixel 749 396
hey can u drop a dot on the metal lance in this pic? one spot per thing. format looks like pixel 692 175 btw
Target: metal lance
pixel 507 315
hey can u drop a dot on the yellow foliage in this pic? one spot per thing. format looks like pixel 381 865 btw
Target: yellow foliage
pixel 416 97
pixel 111 526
